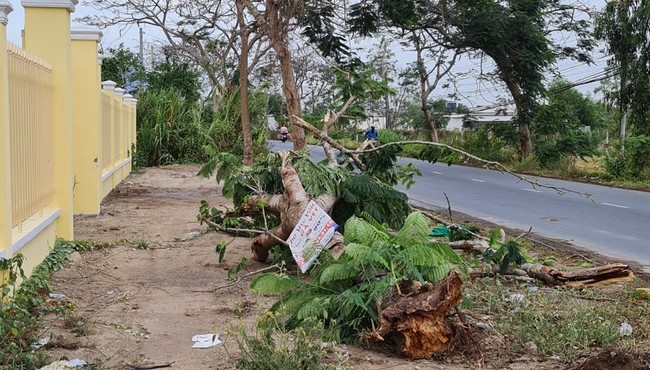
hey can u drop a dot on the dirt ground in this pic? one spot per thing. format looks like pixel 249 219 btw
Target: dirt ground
pixel 142 300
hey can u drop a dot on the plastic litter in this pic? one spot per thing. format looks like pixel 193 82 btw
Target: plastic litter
pixel 75 362
pixel 41 342
pixel 57 295
pixel 532 288
pixel 205 340
pixel 516 298
pixel 625 330
pixel 65 365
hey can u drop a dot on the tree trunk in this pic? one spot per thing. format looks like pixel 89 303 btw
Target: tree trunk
pixel 429 118
pixel 424 91
pixel 290 208
pixel 525 142
pixel 278 30
pixel 243 88
pixel 523 111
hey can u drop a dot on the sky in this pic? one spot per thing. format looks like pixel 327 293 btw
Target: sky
pixel 468 89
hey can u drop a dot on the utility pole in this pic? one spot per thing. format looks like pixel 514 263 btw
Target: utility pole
pixel 141 46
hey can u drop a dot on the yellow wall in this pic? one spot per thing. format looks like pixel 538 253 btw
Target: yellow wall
pixel 5 164
pixel 86 129
pixel 77 115
pixel 47 35
pixel 37 239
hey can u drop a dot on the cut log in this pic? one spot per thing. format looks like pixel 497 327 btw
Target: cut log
pixel 596 276
pixel 417 322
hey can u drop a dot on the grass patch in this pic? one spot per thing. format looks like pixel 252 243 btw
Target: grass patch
pixel 559 321
pixel 75 323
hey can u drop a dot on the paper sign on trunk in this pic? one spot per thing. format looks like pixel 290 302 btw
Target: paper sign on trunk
pixel 314 229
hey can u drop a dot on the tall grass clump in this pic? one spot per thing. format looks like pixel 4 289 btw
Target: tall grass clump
pixel 170 129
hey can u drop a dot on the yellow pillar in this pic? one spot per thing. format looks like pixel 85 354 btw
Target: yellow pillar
pixel 5 162
pixel 47 35
pixel 109 87
pixel 86 123
pixel 134 128
pixel 128 107
pixel 119 136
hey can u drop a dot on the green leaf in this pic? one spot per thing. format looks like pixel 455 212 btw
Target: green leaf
pixel 274 283
pixel 494 238
pixel 415 230
pixel 221 249
pixel 336 273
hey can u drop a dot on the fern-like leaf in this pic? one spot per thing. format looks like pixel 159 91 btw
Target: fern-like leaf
pixel 337 273
pixel 415 230
pixel 274 283
pixel 359 231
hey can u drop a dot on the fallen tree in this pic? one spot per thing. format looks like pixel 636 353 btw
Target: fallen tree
pixel 368 275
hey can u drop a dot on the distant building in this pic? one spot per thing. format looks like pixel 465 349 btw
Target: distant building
pixel 456 120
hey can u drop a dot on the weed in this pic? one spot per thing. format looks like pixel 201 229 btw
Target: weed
pixel 232 273
pixel 143 244
pixel 271 348
pixel 75 323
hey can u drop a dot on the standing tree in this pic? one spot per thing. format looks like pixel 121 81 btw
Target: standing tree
pixel 123 67
pixel 275 22
pixel 623 25
pixel 430 77
pixel 515 34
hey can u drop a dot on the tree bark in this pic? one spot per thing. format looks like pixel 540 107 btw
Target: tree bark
pixel 429 118
pixel 249 155
pixel 523 110
pixel 417 321
pixel 277 32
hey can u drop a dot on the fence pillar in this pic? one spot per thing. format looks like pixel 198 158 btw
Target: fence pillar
pixel 5 162
pixel 128 116
pixel 118 106
pixel 108 113
pixel 47 35
pixel 86 121
pixel 134 128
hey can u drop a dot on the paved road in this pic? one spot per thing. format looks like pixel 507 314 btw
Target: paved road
pixel 615 222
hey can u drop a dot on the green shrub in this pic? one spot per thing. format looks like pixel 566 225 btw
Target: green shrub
pixel 485 145
pixel 388 136
pixel 634 163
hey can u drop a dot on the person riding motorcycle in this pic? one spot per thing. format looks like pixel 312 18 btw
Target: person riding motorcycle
pixel 284 133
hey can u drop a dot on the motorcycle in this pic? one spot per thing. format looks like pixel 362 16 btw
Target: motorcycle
pixel 284 137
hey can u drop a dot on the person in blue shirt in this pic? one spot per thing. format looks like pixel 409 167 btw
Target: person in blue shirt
pixel 372 134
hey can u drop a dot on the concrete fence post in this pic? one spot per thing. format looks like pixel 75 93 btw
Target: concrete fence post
pixel 5 162
pixel 119 135
pixel 128 115
pixel 109 113
pixel 86 122
pixel 47 35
